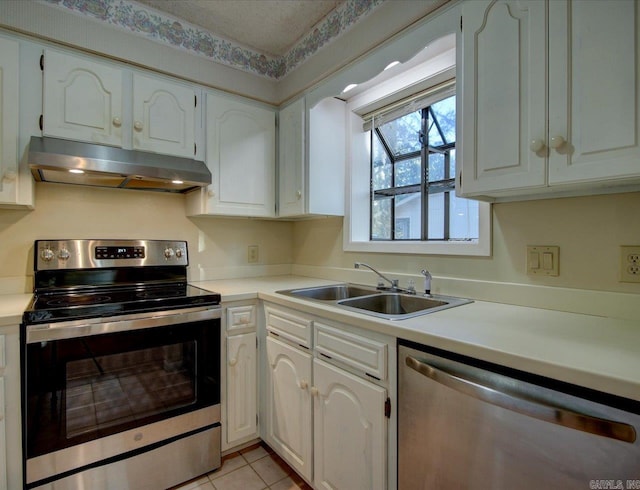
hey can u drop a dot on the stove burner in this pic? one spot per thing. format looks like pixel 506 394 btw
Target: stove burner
pixel 78 300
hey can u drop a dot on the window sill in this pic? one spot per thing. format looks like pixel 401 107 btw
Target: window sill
pixel 472 248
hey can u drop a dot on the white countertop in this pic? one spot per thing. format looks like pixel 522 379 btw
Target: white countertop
pixel 595 352
pixel 591 351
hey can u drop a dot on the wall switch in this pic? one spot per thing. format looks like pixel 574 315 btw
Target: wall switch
pixel 543 260
pixel 252 254
pixel 630 263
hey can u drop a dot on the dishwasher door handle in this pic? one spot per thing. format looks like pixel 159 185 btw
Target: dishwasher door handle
pixel 540 410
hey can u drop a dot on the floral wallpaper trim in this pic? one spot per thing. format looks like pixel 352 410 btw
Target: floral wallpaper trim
pixel 166 29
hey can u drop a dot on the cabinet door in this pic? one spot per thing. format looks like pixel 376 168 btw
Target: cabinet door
pixel 8 119
pixel 82 100
pixel 327 155
pixel 291 193
pixel 289 426
pixel 503 95
pixel 350 431
pixel 241 157
pixel 594 75
pixel 163 117
pixel 242 405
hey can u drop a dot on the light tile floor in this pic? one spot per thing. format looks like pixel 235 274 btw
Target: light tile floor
pixel 254 468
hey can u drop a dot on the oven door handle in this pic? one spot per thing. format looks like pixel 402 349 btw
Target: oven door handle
pixel 98 326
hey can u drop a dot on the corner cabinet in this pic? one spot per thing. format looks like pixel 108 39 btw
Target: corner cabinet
pixel 96 102
pixel 546 108
pixel 241 153
pixel 312 158
pixel 327 401
pixel 240 403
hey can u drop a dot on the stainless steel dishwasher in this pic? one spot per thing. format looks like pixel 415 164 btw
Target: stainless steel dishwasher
pixel 463 423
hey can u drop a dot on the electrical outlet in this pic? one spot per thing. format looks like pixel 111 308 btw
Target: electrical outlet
pixel 630 263
pixel 252 254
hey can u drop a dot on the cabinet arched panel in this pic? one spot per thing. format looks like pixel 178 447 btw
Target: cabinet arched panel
pixel 82 100
pixel 289 426
pixel 504 89
pixel 350 430
pixel 163 117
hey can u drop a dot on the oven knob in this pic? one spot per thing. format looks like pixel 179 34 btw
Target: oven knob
pixel 47 254
pixel 180 252
pixel 63 254
pixel 168 253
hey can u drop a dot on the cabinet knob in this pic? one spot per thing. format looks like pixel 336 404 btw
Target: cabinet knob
pixel 137 126
pixel 298 194
pixel 9 176
pixel 314 391
pixel 536 145
pixel 233 361
pixel 211 193
pixel 557 142
pixel 303 384
pixel 117 122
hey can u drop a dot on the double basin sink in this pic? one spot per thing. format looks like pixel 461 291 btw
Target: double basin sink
pixel 374 302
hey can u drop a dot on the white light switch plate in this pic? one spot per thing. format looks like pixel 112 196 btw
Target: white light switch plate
pixel 543 260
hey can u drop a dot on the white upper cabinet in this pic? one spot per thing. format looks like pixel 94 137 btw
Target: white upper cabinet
pixel 312 158
pixel 82 100
pixel 292 161
pixel 549 98
pixel 503 94
pixel 163 116
pixel 102 103
pixel 241 154
pixel 8 120
pixel 594 103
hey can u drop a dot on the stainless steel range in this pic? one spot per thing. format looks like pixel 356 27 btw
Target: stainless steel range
pixel 120 369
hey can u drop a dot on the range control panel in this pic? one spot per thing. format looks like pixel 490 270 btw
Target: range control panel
pixel 94 254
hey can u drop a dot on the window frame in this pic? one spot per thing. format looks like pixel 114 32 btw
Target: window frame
pixel 356 232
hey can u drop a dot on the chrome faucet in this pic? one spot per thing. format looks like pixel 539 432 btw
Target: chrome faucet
pixel 392 282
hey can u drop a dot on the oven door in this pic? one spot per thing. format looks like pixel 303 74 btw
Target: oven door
pixel 97 390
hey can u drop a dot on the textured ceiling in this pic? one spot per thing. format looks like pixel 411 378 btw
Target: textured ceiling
pixel 271 27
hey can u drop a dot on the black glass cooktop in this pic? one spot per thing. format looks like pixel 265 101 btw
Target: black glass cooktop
pixel 105 302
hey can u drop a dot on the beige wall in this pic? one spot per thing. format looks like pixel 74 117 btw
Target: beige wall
pixel 62 211
pixel 588 231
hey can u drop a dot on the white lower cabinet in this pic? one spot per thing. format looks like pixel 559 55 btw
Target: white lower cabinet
pixel 349 430
pixel 323 416
pixel 289 426
pixel 240 387
pixel 10 423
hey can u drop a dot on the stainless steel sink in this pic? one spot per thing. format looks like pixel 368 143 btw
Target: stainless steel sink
pixel 334 292
pixel 395 306
pixel 371 301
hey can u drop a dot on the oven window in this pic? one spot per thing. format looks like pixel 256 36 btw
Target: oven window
pixel 86 388
pixel 109 390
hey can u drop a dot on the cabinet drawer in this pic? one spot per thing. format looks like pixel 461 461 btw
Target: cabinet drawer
pixel 241 317
pixel 361 353
pixel 293 327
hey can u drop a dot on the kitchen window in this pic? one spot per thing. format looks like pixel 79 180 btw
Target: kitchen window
pixel 413 158
pixel 402 168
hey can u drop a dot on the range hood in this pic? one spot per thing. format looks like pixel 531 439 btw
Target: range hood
pixel 71 162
